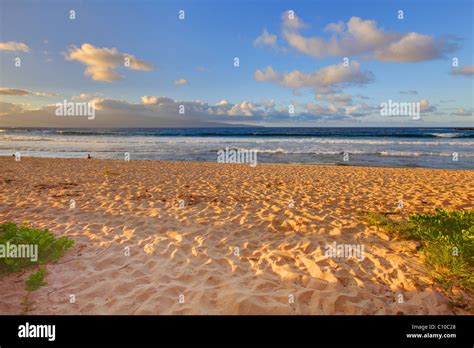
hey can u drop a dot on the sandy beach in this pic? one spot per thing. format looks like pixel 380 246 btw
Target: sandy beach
pixel 155 237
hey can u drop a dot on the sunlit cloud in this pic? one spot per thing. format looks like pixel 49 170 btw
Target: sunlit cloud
pixel 364 38
pixel 23 92
pixel 265 39
pixel 463 112
pixel 426 107
pixel 14 46
pixel 9 108
pixel 102 62
pixel 181 82
pixel 326 80
pixel 337 98
pixel 466 70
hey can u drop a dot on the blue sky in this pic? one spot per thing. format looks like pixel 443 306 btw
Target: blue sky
pixel 200 50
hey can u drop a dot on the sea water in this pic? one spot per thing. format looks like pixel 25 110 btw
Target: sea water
pixel 387 147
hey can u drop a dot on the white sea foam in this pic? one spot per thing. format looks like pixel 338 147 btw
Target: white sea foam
pixel 273 149
pixel 225 140
pixel 446 135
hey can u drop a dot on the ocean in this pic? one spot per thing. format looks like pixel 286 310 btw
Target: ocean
pixel 448 148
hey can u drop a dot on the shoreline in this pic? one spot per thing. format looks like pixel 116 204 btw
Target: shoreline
pixel 244 164
pixel 246 239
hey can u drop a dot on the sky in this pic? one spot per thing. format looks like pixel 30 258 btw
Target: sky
pixel 301 63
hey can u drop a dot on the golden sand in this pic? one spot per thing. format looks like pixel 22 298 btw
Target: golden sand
pixel 209 238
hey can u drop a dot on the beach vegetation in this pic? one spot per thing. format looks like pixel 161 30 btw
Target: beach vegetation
pixel 446 243
pixel 36 279
pixel 48 247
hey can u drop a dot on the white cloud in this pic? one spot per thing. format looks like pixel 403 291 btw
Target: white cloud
pixel 265 39
pixel 223 102
pixel 466 70
pixel 342 99
pixel 362 109
pixel 323 110
pixel 268 74
pixel 463 112
pixel 9 108
pixel 335 27
pixel 102 62
pixel 166 106
pixel 14 46
pixel 23 92
pixel 338 111
pixel 243 109
pixel 326 80
pixel 84 96
pixel 160 106
pixel 411 47
pixel 181 82
pixel 155 100
pixel 161 111
pixel 268 103
pixel 426 107
pixel 292 21
pixel 363 38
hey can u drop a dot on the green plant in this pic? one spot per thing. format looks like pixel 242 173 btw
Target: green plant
pixel 36 280
pixel 48 249
pixel 447 243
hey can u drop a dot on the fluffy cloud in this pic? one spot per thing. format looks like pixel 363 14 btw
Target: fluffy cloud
pixel 363 38
pixel 84 96
pixel 181 82
pixel 342 99
pixel 223 102
pixel 160 111
pixel 164 108
pixel 14 46
pixel 338 111
pixel 23 92
pixel 102 62
pixel 267 74
pixel 9 108
pixel 426 107
pixel 245 111
pixel 245 108
pixel 326 80
pixel 335 27
pixel 466 70
pixel 155 100
pixel 463 112
pixel 412 47
pixel 265 39
pixel 362 109
pixel 326 110
pixel 319 109
pixel 194 108
pixel 291 21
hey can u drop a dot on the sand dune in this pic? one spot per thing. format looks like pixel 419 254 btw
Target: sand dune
pixel 209 238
